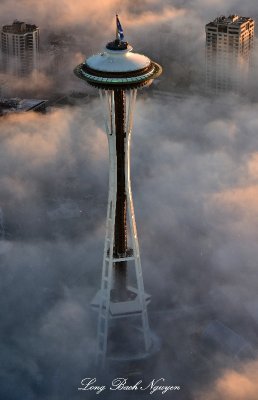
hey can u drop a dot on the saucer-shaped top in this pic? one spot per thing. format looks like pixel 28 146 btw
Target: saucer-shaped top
pixel 118 61
pixel 118 67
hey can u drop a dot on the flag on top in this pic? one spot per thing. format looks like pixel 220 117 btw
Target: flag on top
pixel 119 29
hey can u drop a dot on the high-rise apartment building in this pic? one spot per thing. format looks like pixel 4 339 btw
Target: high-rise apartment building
pixel 229 44
pixel 20 48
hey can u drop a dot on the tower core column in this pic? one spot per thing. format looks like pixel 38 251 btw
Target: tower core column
pixel 120 239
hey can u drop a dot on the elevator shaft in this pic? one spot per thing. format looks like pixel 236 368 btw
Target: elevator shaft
pixel 120 234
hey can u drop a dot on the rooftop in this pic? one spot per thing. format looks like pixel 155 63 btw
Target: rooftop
pixel 234 20
pixel 19 27
pixel 114 61
pixel 21 105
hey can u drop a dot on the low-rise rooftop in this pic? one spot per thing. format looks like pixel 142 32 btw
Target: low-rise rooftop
pixel 17 105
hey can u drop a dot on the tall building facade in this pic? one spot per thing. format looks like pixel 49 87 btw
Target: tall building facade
pixel 229 44
pixel 20 48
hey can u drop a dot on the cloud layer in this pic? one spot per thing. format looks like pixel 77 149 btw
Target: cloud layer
pixel 194 170
pixel 195 205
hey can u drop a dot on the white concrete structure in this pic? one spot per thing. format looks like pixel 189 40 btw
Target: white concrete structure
pixel 229 44
pixel 118 73
pixel 20 48
pixel 136 304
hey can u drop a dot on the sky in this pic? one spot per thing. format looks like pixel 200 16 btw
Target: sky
pixel 194 177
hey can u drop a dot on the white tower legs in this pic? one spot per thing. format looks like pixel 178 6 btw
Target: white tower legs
pixel 135 306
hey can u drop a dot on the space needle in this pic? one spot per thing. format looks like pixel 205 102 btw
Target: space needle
pixel 118 72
